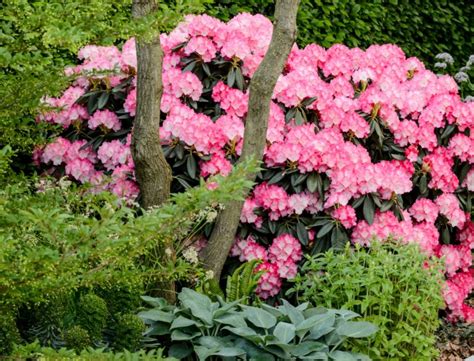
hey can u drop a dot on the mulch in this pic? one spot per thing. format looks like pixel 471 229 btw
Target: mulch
pixel 455 341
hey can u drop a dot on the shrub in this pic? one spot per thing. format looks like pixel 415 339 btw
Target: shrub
pixel 128 331
pixel 360 145
pixel 444 25
pixel 393 287
pixel 199 327
pixel 92 315
pixel 60 241
pixel 9 334
pixel 77 338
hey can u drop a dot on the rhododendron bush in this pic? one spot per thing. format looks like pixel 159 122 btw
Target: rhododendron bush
pixel 360 145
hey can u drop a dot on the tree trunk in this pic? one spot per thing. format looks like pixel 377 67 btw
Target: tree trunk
pixel 152 171
pixel 256 124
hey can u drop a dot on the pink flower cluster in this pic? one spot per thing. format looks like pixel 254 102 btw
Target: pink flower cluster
pixel 279 261
pixel 350 94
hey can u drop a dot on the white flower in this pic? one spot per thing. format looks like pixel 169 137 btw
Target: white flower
pixel 190 254
pixel 461 77
pixel 447 58
pixel 209 275
pixel 440 65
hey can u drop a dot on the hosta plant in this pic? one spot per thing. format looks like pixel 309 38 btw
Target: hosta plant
pixel 361 144
pixel 199 327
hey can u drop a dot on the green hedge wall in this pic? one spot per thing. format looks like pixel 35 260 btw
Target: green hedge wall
pixel 422 28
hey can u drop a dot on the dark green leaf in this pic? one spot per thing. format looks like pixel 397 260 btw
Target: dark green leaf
pixel 191 166
pixel 325 230
pixel 369 209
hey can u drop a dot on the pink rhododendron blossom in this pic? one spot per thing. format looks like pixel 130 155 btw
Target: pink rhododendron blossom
pixel 449 206
pixel 113 154
pixel 269 283
pixel 346 215
pixel 56 152
pixel 105 118
pixel 130 104
pixel 424 210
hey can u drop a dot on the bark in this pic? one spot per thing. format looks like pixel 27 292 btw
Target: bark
pixel 256 124
pixel 152 171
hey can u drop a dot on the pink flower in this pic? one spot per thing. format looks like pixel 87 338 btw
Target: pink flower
pixel 346 215
pixel 269 283
pixel 424 210
pixel 80 169
pixel 113 154
pixel 105 118
pixel 449 206
pixel 285 247
pixel 56 152
pixel 130 104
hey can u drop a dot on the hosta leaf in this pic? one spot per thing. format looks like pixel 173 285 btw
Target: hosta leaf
pixel 356 329
pixel 342 356
pixel 284 331
pixel 259 317
pixel 156 315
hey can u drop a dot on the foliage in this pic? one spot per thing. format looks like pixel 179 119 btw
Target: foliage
pixel 361 144
pixel 445 26
pixel 92 315
pixel 61 241
pixel 77 338
pixel 9 334
pixel 394 287
pixel 128 331
pixel 200 327
pixel 34 350
pixel 240 285
pixel 62 237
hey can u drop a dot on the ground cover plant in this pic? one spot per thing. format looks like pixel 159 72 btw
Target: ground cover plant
pixel 361 144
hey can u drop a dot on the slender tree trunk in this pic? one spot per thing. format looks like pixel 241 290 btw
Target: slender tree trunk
pixel 256 124
pixel 152 171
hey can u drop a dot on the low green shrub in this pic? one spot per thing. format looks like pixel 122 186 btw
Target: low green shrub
pixel 61 244
pixel 77 338
pixel 128 331
pixel 199 327
pixel 393 286
pixel 92 315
